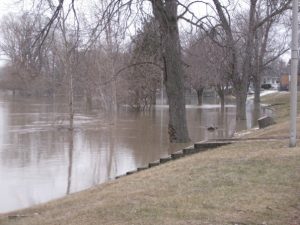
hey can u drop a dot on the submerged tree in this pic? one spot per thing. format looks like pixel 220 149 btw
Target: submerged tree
pixel 166 15
pixel 206 66
pixel 145 75
pixel 240 48
pixel 125 15
pixel 269 46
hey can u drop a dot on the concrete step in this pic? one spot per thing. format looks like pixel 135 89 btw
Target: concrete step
pixel 198 147
pixel 190 150
pixel 142 168
pixel 177 155
pixel 166 159
pixel 155 163
pixel 120 176
pixel 131 172
pixel 207 145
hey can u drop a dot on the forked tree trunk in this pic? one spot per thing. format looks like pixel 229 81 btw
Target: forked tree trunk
pixel 240 79
pixel 166 15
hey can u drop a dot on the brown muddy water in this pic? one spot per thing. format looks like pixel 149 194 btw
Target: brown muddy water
pixel 41 160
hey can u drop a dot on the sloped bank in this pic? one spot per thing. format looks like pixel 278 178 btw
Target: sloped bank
pixel 196 148
pixel 249 182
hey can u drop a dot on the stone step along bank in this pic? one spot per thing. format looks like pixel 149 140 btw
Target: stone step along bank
pixel 196 148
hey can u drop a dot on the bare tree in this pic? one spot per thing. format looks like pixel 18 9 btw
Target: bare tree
pixel 239 48
pixel 240 67
pixel 166 14
pixel 143 78
pixel 28 64
pixel 206 62
pixel 269 46
pixel 197 70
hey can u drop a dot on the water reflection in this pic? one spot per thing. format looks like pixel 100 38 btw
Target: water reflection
pixel 40 159
pixel 71 148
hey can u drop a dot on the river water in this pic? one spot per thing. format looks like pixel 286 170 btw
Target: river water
pixel 40 159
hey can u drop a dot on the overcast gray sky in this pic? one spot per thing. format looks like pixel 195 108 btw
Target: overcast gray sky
pixel 8 6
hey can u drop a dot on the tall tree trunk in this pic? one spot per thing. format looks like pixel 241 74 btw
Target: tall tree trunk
pixel 255 114
pixel 259 59
pixel 153 98
pixel 256 84
pixel 240 79
pixel 221 94
pixel 241 98
pixel 89 100
pixel 241 85
pixel 200 96
pixel 166 15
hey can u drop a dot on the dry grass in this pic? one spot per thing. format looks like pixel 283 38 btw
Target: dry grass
pixel 280 103
pixel 255 182
pixel 244 183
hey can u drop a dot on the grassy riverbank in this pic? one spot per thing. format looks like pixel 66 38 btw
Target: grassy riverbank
pixel 255 182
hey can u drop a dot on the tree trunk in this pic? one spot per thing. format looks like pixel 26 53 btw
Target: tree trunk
pixel 221 94
pixel 174 86
pixel 89 100
pixel 256 84
pixel 200 96
pixel 166 15
pixel 255 114
pixel 242 85
pixel 241 98
pixel 240 79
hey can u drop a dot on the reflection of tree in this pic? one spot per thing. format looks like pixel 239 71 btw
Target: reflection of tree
pixel 111 151
pixel 71 148
pixel 103 164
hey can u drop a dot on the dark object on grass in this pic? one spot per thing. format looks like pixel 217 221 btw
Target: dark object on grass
pixel 265 121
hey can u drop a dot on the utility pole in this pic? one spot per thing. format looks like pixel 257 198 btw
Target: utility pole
pixel 294 75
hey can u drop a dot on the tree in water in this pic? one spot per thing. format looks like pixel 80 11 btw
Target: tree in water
pixel 165 13
pixel 144 77
pixel 240 50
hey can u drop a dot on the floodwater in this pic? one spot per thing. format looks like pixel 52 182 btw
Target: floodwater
pixel 40 159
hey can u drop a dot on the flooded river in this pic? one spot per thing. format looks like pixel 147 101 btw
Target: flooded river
pixel 41 160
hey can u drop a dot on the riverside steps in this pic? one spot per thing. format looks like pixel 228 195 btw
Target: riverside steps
pixel 196 148
pixel 166 159
pixel 155 163
pixel 177 155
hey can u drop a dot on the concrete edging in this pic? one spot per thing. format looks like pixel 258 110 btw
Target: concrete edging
pixel 196 148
